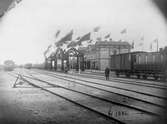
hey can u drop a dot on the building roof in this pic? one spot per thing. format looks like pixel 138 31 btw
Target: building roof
pixel 112 43
pixel 82 48
pixel 93 47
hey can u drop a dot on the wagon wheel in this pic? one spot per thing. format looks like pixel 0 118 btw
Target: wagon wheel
pixel 127 75
pixel 156 77
pixel 145 76
pixel 138 76
pixel 117 74
pixel 163 78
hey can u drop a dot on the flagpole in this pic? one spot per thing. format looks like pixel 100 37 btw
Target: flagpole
pixel 79 65
pixel 157 45
pixel 72 64
pixel 142 48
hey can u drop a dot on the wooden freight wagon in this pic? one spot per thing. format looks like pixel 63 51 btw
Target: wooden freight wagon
pixel 123 63
pixel 150 64
pixel 153 64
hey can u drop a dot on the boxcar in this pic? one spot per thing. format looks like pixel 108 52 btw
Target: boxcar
pixel 123 63
pixel 150 64
pixel 140 64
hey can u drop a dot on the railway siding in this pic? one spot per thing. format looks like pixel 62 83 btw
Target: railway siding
pixel 99 85
pixel 103 107
pixel 104 95
pixel 143 90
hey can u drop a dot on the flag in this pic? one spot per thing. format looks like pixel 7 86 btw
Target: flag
pixel 45 52
pixel 151 46
pixel 78 38
pixel 98 39
pixel 63 40
pixel 57 33
pixel 142 38
pixel 110 39
pixel 13 4
pixel 132 45
pixel 124 31
pixel 84 38
pixel 96 29
pixel 67 37
pixel 18 1
pixel 72 44
pixel 120 40
pixel 107 36
pixel 47 49
pixel 155 40
pixel 90 41
pixel 140 44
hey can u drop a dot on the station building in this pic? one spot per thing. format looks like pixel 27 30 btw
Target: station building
pixel 97 56
pixel 94 57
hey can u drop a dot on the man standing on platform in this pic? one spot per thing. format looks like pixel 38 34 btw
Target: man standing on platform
pixel 107 73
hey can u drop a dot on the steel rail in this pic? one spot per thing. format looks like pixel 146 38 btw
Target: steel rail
pixel 140 83
pixel 116 121
pixel 110 91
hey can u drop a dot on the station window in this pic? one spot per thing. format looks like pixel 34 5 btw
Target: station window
pixel 135 58
pixel 162 57
pixel 153 58
pixel 146 59
pixel 139 59
pixel 130 57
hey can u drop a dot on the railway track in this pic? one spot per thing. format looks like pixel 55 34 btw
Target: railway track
pixel 132 81
pixel 118 95
pixel 36 82
pixel 125 81
pixel 143 94
pixel 113 120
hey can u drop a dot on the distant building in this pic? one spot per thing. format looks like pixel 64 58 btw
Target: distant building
pixel 97 56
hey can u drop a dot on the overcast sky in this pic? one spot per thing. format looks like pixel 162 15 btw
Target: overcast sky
pixel 27 30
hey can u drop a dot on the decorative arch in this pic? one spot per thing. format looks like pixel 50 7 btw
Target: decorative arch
pixel 74 53
pixel 60 59
pixel 59 53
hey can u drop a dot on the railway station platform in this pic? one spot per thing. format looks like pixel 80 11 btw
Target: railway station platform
pixel 94 72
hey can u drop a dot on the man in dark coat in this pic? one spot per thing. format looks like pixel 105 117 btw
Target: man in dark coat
pixel 107 73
